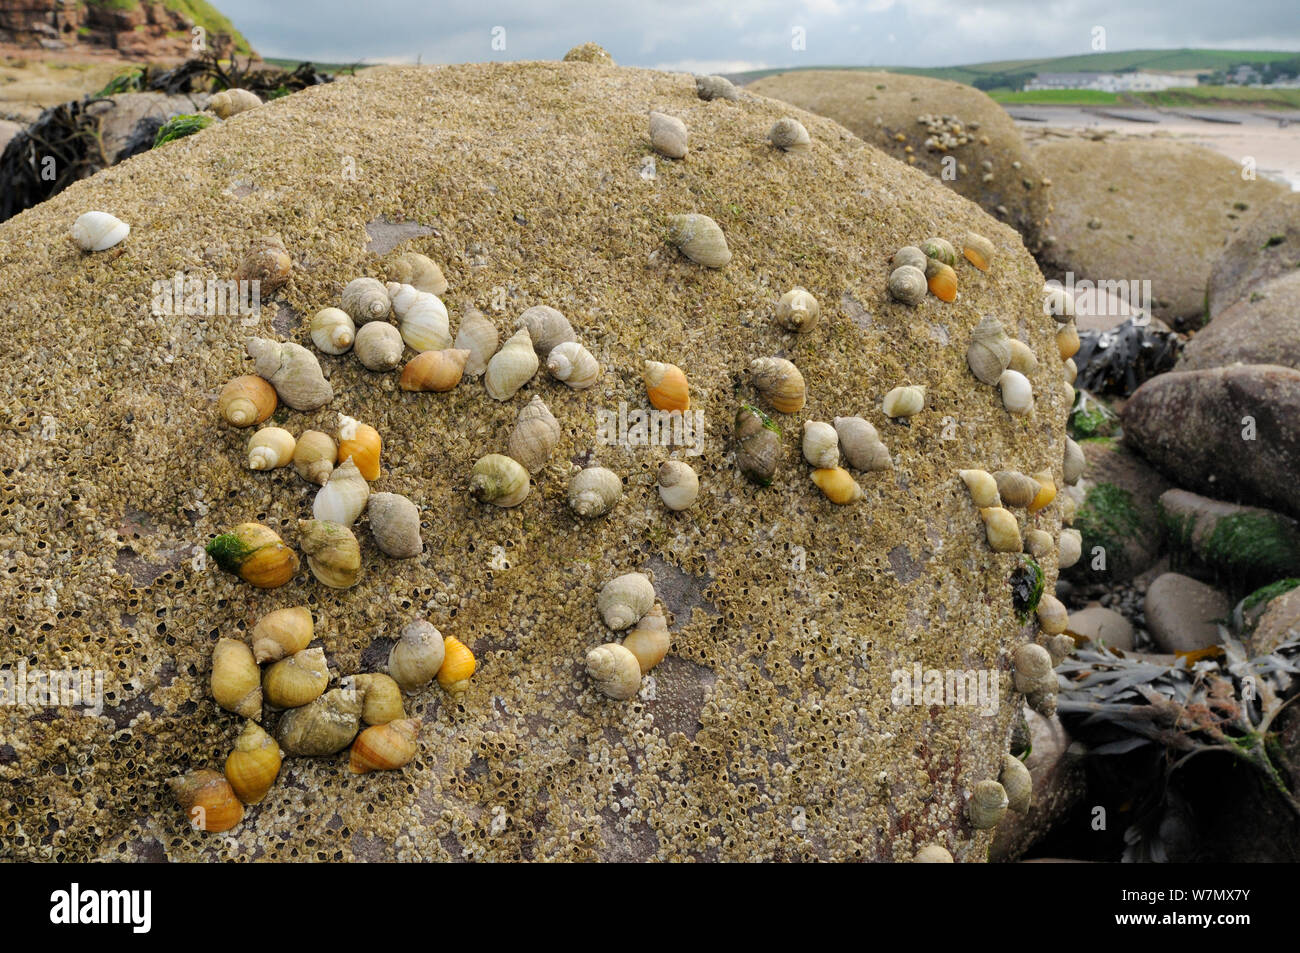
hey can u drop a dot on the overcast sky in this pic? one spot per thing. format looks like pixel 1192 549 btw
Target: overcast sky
pixel 751 34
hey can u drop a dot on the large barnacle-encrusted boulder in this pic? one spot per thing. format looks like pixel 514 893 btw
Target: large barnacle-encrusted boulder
pixel 773 729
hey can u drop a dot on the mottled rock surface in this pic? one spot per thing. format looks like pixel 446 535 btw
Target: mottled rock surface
pixel 989 162
pixel 1265 247
pixel 1242 542
pixel 1146 211
pixel 1119 513
pixel 1232 433
pixel 1261 328
pixel 768 732
pixel 1183 614
pixel 1059 782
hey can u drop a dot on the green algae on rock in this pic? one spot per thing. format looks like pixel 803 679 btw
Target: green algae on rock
pixel 788 614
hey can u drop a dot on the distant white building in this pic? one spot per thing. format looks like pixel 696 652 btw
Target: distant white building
pixel 1111 82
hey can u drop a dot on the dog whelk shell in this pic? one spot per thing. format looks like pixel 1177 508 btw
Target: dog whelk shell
pixel 838 485
pixel 282 633
pixel 231 102
pixel 1015 488
pixel 98 231
pixel 547 328
pixel 385 747
pixel 905 401
pixel 208 799
pixel 314 456
pixel 668 135
pixel 1060 647
pixel 1052 615
pixel 511 367
pixel 821 444
pixel 1071 371
pixel 1033 669
pixel 1002 530
pixel 381 697
pixel 908 284
pixel 332 330
pixel 1018 784
pixel 1067 340
pixel 378 346
pixel 293 371
pixel 343 498
pixel 362 444
pixel 941 250
pixel 499 480
pixel 678 484
pixel 417 655
pixel 978 251
pixel 1017 393
pixel 296 680
pixel 425 325
pixel 715 87
pixel 395 525
pixel 594 491
pixel 246 401
pixel 615 670
pixel 256 554
pixel 573 364
pixel 942 282
pixel 434 371
pixel 322 727
pixel 268 263
pixel 1038 543
pixel 418 271
pixel 236 681
pixel 535 435
pixel 912 256
pixel 1046 490
pixel 1022 358
pixel 254 764
pixel 625 599
pixel 758 445
pixel 365 300
pixel 983 487
pixel 932 854
pixel 987 805
pixel 700 239
pixel 457 667
pixel 861 444
pixel 666 386
pixel 989 353
pixel 650 640
pixel 789 134
pixel 797 310
pixel 269 448
pixel 478 335
pixel 1069 548
pixel 779 382
pixel 332 552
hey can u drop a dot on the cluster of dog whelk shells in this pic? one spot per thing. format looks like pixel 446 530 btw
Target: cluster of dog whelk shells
pixel 295 679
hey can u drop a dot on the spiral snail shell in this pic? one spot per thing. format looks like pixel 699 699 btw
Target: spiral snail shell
pixel 978 250
pixel 332 552
pixel 478 335
pixel 678 484
pixel 499 480
pixel 457 667
pixel 666 386
pixel 912 256
pixel 256 554
pixel 1022 358
pixel 547 328
pixel 293 371
pixel 535 436
pixel 247 400
pixel 321 727
pixel 1017 393
pixel 381 698
pixel 1015 488
pixel 1058 303
pixel 343 498
pixel 417 655
pixel 941 250
pixel 1060 646
pixel 209 801
pixel 236 681
pixel 700 239
pixel 932 854
pixel 1069 548
pixel 837 484
pixel 942 282
pixel 907 284
pixel 1071 371
pixel 314 456
pixel 1018 784
pixel 989 353
pixel 709 88
pixel 231 102
pixel 1046 490
pixel 798 310
pixel 332 330
pixel 511 367
pixel 821 444
pixel 268 263
pixel 424 323
pixel 668 135
pixel 98 231
pixel 1002 530
pixel 395 525
pixel 789 135
pixel 905 401
pixel 378 346
pixel 269 448
pixel 573 364
pixel 983 487
pixel 1038 543
pixel 650 640
pixel 1052 615
pixel 385 747
pixel 758 445
pixel 418 271
pixel 625 599
pixel 1033 669
pixel 987 805
pixel 435 371
pixel 281 633
pixel 615 671
pixel 365 300
pixel 861 445
pixel 594 491
pixel 252 767
pixel 361 444
pixel 297 679
pixel 1067 340
pixel 779 382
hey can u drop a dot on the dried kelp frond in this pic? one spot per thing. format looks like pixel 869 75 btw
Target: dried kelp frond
pixel 1118 361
